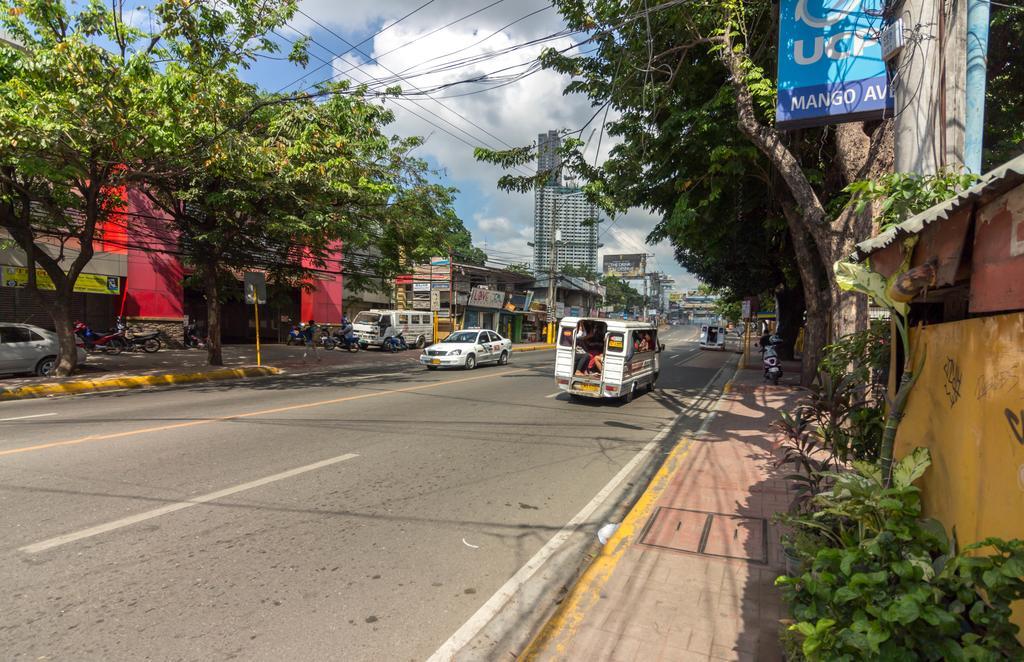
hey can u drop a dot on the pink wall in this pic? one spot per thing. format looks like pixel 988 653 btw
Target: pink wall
pixel 323 303
pixel 153 288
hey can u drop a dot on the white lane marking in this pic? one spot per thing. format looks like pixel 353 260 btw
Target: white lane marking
pixel 554 395
pixel 497 602
pixel 181 505
pixel 21 418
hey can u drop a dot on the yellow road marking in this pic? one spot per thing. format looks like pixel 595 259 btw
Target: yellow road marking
pixel 264 412
pixel 559 630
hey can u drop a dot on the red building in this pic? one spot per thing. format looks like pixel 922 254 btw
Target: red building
pixel 136 272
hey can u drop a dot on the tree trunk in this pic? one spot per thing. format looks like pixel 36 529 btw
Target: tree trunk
pixel 790 308
pixel 60 313
pixel 214 355
pixel 817 296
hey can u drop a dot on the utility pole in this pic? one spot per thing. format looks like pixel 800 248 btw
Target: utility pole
pixel 553 269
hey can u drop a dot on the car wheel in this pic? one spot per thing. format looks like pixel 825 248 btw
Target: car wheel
pixel 151 345
pixel 503 359
pixel 629 395
pixel 45 366
pixel 470 362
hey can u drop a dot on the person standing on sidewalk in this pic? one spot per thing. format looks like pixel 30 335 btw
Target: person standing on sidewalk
pixel 311 333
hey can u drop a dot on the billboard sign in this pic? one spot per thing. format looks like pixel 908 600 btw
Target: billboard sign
pixel 624 266
pixel 86 283
pixel 830 63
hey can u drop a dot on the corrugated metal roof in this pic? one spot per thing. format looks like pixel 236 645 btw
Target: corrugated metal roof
pixel 993 184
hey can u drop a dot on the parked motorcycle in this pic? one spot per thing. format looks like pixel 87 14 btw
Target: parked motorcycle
pixel 770 360
pixel 346 338
pixel 111 342
pixel 148 342
pixel 192 339
pixel 296 335
pixel 395 343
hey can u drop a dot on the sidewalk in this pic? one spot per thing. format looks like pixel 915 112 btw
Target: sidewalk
pixel 689 574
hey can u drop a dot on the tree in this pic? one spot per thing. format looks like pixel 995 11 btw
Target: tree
pixel 579 271
pixel 76 118
pixel 70 115
pixel 520 268
pixel 694 76
pixel 620 295
pixel 284 184
pixel 1004 94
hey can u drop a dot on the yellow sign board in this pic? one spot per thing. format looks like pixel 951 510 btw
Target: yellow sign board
pixel 86 283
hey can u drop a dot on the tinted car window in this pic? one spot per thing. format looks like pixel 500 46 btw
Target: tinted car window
pixel 13 334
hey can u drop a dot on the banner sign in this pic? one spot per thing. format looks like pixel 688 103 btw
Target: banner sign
pixel 624 266
pixel 86 283
pixel 830 63
pixel 441 285
pixel 481 298
pixel 421 287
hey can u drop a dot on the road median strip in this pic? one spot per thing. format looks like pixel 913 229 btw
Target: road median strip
pixel 132 381
pixel 531 348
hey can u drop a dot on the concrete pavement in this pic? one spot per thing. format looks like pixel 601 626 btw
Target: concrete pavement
pixel 366 515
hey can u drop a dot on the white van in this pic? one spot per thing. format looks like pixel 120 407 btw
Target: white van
pixel 417 326
pixel 622 357
pixel 712 337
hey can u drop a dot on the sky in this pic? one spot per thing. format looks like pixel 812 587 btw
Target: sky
pixel 510 115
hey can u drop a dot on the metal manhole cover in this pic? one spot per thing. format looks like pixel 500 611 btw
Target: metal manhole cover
pixel 710 534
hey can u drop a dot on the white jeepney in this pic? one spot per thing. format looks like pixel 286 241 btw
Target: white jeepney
pixel 606 358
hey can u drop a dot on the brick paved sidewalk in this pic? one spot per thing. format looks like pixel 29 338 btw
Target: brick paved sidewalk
pixel 690 575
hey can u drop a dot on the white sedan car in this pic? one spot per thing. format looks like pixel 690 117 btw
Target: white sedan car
pixel 27 348
pixel 467 349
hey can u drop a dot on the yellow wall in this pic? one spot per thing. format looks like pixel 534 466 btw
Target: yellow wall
pixel 968 409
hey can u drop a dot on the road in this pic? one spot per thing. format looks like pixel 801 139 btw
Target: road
pixel 363 516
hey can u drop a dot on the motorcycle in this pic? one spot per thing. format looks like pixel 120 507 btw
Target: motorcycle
pixel 192 339
pixel 770 360
pixel 111 342
pixel 345 338
pixel 395 343
pixel 326 340
pixel 148 342
pixel 296 336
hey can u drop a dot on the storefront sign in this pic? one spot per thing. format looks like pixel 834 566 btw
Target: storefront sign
pixel 830 63
pixel 421 287
pixel 435 300
pixel 441 285
pixel 482 298
pixel 440 262
pixel 86 283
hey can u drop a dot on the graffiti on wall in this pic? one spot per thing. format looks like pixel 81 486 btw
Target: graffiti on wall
pixel 954 379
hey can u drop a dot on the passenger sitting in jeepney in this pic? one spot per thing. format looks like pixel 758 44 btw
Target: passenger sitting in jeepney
pixel 592 345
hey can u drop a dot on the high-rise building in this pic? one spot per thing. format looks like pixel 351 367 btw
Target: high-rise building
pixel 563 209
pixel 548 159
pixel 567 210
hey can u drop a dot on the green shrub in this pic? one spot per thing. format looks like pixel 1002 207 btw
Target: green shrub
pixel 886 584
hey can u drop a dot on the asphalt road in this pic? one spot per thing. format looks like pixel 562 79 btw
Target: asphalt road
pixel 359 517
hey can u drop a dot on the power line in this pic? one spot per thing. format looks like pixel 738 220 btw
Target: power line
pixel 383 29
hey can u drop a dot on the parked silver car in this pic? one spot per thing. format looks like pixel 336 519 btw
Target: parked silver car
pixel 27 348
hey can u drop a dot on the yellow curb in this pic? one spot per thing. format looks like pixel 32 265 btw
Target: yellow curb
pixel 137 381
pixel 532 349
pixel 556 634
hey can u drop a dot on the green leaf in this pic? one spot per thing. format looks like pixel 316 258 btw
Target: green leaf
pixel 911 467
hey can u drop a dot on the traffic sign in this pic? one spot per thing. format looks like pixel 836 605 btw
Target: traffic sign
pixel 255 287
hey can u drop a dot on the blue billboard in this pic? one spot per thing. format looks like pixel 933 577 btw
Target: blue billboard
pixel 830 63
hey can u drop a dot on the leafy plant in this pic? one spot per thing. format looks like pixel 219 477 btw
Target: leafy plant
pixel 885 584
pixel 904 194
pixel 802 448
